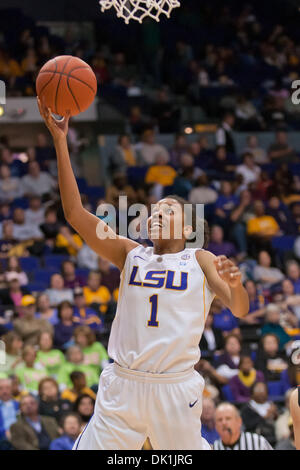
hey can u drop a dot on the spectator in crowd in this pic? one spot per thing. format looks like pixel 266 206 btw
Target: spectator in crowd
pixel 293 274
pixel 120 187
pixel 50 227
pixel 57 293
pixel 7 242
pixel 79 387
pixel 84 315
pixel 71 279
pixel 138 121
pixel 63 329
pixel 165 113
pixel 223 164
pixel 75 362
pixel 110 275
pixel 269 359
pixel 290 300
pixel 29 327
pixel 50 403
pixel 30 372
pixel 10 186
pixel 179 148
pixel 249 170
pixel 224 134
pixel 13 294
pixel 239 217
pixel 272 325
pixel 32 431
pixel 51 359
pixel 289 442
pixel 202 193
pixel 23 231
pixel 16 166
pixel 223 318
pixel 225 204
pixel 229 427
pixel 218 246
pixel 282 428
pixel 13 351
pixel 87 258
pixel 290 377
pixel 242 382
pixel 208 425
pixel 96 295
pixel 8 408
pixel 148 148
pixel 281 213
pixel 68 242
pixel 257 302
pixel 263 273
pixel 71 427
pixel 38 182
pixel 259 414
pixel 35 214
pixel 93 351
pixel 160 175
pixel 124 156
pixel 261 228
pixel 84 406
pixel 259 153
pixel 212 340
pixel 227 363
pixel 14 271
pixel 280 151
pixel 44 309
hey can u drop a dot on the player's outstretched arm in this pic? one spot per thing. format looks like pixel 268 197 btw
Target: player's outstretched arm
pixel 113 247
pixel 295 413
pixel 225 279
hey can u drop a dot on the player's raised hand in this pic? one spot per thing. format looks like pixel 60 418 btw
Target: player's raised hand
pixel 228 271
pixel 57 127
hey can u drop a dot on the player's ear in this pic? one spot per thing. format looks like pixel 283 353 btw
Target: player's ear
pixel 187 231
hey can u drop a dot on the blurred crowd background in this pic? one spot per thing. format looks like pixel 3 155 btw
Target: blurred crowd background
pixel 58 298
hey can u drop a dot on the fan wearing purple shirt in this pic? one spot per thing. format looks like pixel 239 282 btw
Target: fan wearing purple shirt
pixel 218 246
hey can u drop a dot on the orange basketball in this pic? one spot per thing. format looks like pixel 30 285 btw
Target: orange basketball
pixel 66 83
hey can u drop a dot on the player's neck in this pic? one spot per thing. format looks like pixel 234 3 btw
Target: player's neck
pixel 168 247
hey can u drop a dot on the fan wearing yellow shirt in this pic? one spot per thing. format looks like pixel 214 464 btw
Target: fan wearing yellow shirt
pixel 95 293
pixel 264 226
pixel 161 173
pixel 71 242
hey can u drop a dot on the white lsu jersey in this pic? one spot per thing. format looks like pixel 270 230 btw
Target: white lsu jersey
pixel 162 307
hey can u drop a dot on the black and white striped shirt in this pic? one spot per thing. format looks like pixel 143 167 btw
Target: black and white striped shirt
pixel 247 441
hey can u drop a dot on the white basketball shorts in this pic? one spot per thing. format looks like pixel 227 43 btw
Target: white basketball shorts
pixel 133 405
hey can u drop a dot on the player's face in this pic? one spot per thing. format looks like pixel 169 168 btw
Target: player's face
pixel 166 221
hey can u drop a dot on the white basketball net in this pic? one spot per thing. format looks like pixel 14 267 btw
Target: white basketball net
pixel 139 9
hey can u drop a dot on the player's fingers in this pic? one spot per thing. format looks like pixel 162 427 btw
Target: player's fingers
pixel 224 264
pixel 220 258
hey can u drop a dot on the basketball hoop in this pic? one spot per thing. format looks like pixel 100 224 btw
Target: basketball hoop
pixel 140 9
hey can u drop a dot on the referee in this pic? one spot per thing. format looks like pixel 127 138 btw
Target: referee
pixel 229 428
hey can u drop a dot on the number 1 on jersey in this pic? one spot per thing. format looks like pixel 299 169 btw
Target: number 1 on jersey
pixel 153 318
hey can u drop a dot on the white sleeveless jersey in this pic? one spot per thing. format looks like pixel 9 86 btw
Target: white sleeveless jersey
pixel 162 306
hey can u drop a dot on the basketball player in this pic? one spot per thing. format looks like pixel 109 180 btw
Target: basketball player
pixel 151 389
pixel 295 395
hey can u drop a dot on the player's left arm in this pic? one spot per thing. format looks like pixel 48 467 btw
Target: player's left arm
pixel 295 412
pixel 225 279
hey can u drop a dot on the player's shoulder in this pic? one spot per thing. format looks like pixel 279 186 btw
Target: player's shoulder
pixel 204 256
